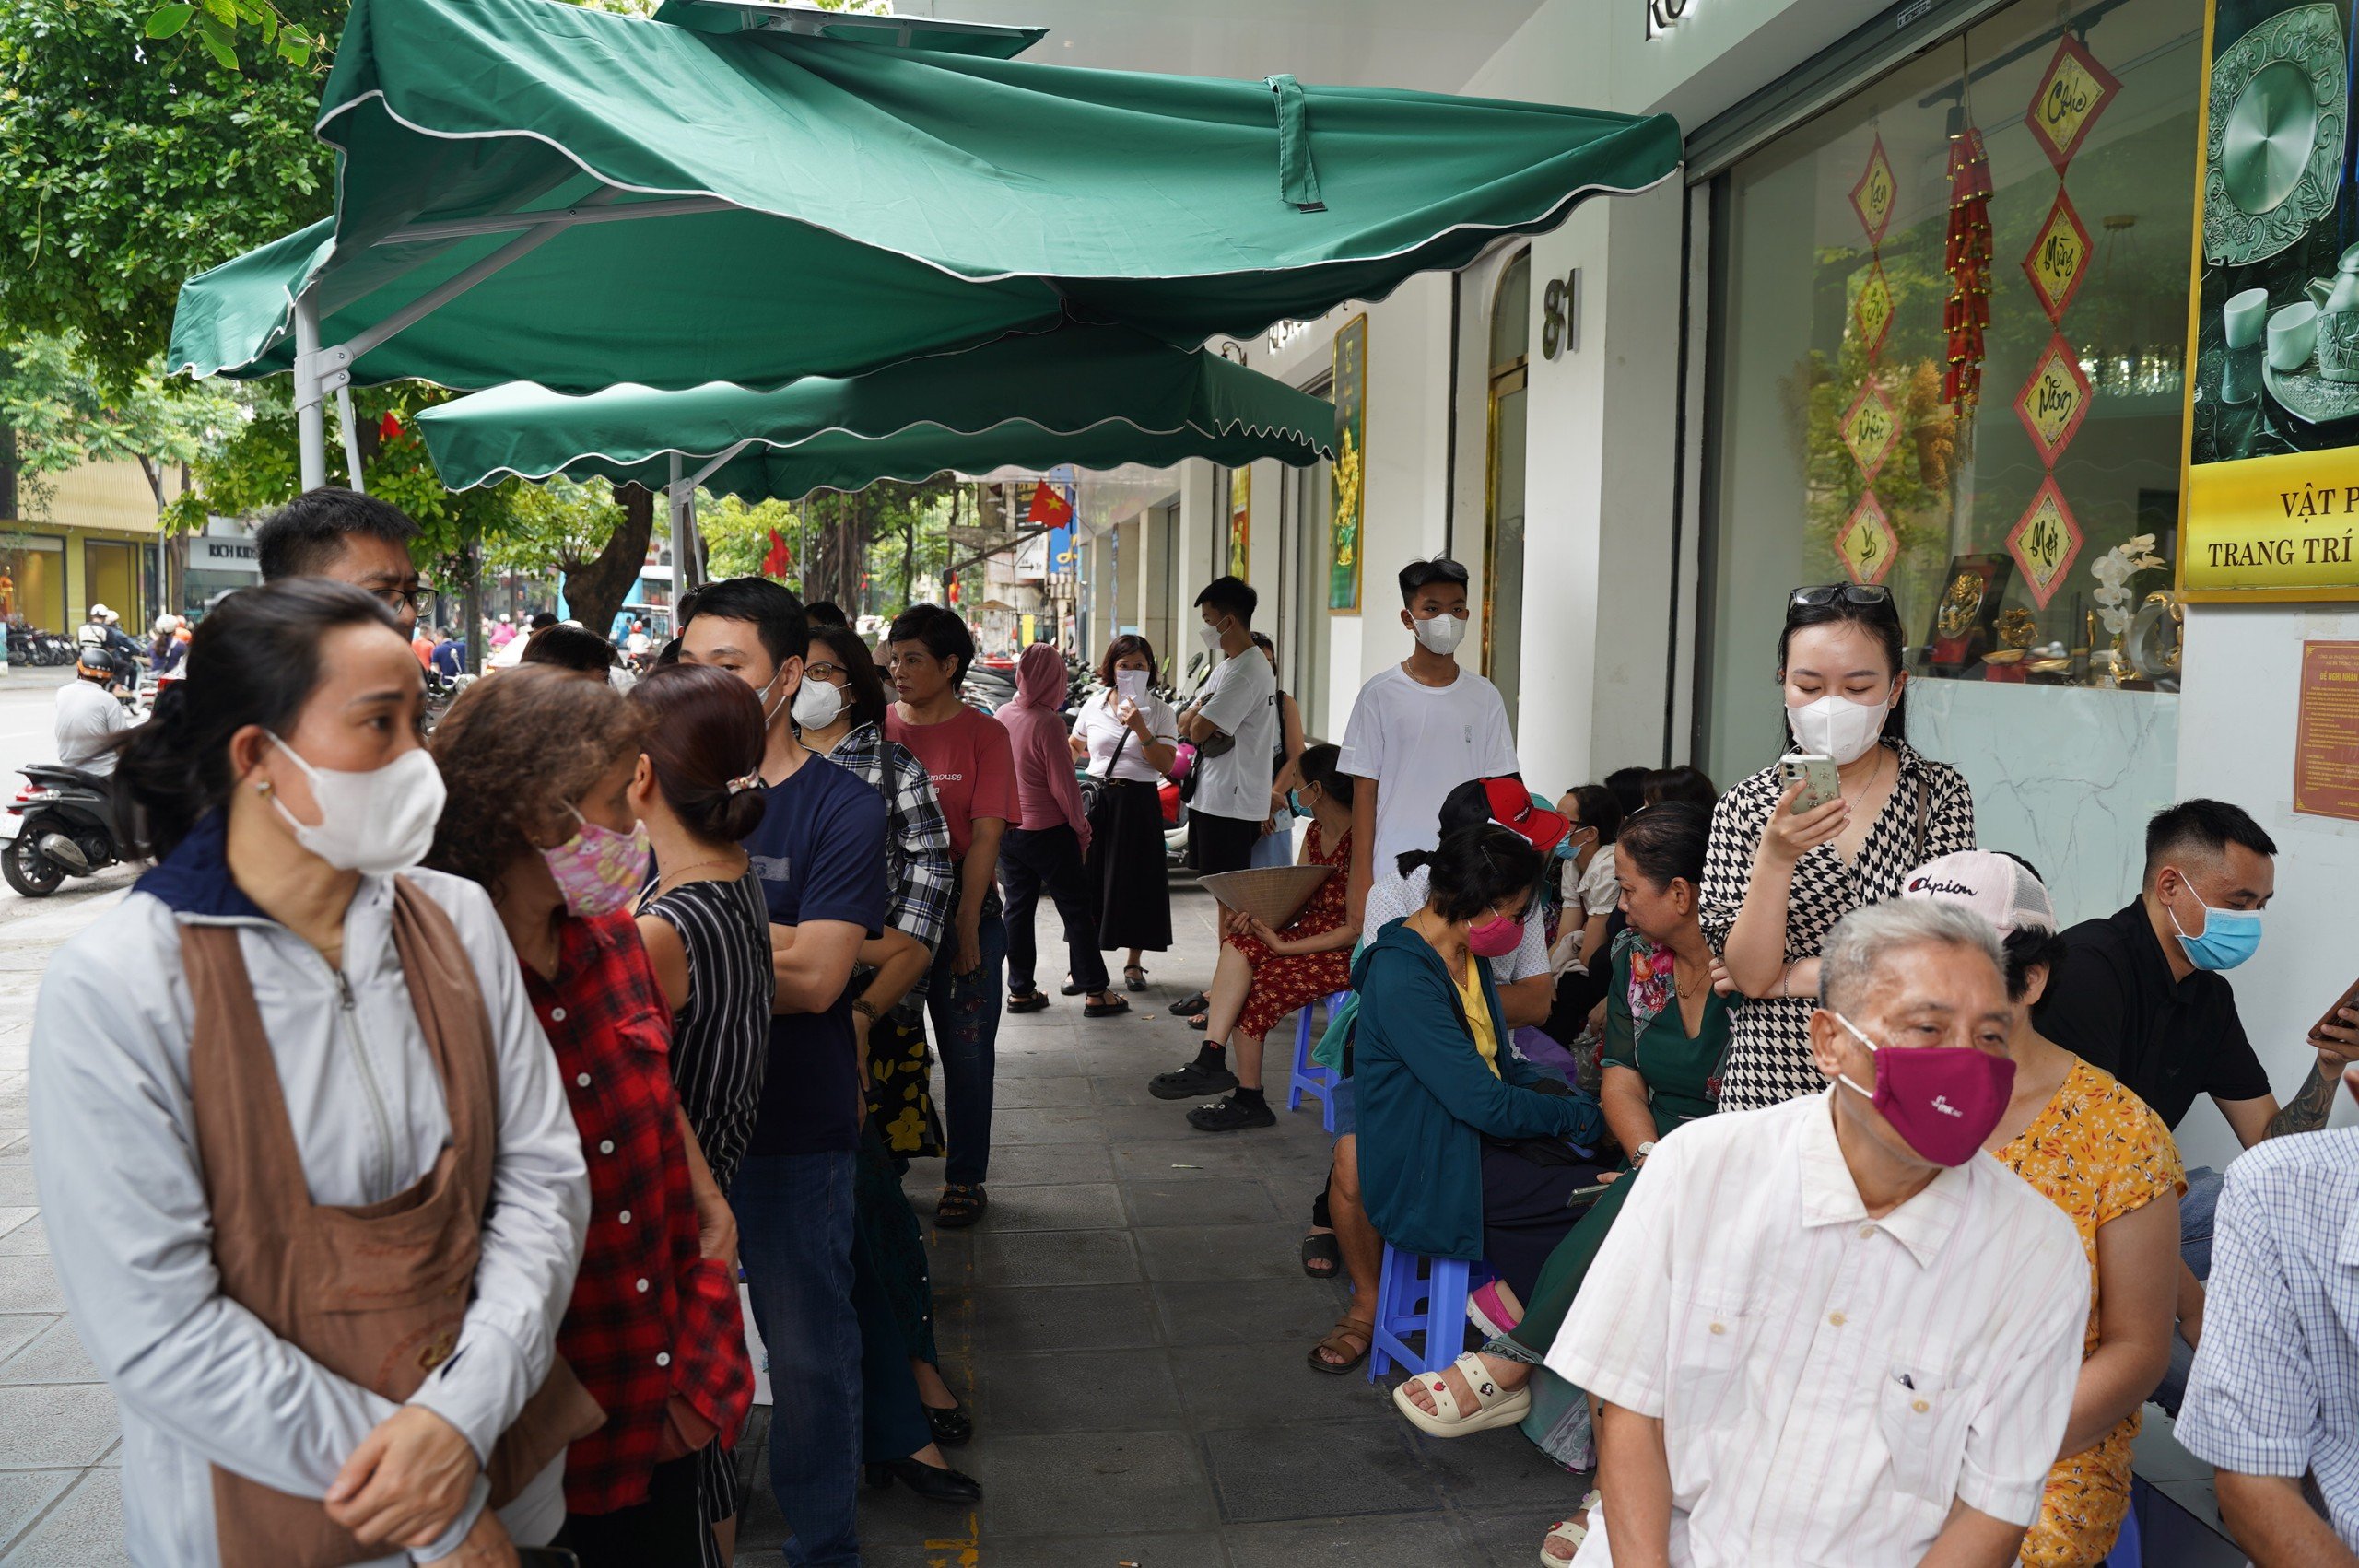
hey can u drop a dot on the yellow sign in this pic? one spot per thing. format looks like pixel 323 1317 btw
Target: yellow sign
pixel 2281 527
pixel 2071 96
pixel 1872 311
pixel 1868 545
pixel 1870 429
pixel 2054 401
pixel 2059 258
pixel 2044 541
pixel 1872 197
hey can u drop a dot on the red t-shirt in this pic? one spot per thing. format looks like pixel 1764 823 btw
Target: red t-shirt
pixel 973 767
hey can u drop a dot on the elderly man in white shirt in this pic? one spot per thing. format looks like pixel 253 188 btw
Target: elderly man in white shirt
pixel 1834 1331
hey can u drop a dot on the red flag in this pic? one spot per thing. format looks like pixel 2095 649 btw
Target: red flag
pixel 952 594
pixel 389 427
pixel 781 560
pixel 1048 507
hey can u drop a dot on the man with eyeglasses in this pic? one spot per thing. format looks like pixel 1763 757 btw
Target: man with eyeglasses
pixel 334 533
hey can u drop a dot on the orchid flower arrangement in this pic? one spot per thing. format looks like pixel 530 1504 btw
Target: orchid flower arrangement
pixel 2113 571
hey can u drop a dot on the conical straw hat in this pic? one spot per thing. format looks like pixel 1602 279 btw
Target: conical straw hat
pixel 1272 894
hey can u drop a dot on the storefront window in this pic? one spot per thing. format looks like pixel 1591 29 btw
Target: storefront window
pixel 1949 318
pixel 1503 544
pixel 33 581
pixel 111 575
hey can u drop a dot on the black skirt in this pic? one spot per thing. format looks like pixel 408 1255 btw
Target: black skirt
pixel 1126 868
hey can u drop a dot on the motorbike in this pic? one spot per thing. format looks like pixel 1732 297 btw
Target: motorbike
pixel 64 820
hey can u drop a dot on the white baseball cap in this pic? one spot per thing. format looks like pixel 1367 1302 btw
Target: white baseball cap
pixel 1998 887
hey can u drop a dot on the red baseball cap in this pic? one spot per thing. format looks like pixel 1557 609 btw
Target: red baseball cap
pixel 1513 807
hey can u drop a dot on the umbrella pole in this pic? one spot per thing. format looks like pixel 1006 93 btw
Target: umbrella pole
pixel 346 423
pixel 310 416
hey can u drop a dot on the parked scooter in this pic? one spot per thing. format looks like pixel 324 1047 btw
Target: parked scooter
pixel 65 826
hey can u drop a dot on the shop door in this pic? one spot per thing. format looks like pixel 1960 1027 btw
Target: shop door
pixel 111 574
pixel 33 581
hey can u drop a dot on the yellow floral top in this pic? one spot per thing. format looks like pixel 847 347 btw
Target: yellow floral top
pixel 2097 1152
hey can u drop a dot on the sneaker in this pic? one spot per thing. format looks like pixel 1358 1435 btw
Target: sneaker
pixel 1192 1081
pixel 1232 1115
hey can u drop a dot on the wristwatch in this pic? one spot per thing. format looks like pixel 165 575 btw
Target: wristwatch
pixel 1642 1151
pixel 865 1008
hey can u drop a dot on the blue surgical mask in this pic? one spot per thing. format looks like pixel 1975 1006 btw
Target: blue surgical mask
pixel 1566 848
pixel 2228 938
pixel 1294 804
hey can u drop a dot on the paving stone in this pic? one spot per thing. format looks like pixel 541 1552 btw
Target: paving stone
pixel 1034 1165
pixel 19 1330
pixel 29 1284
pixel 1245 1311
pixel 27 1240
pixel 1044 1092
pixel 1271 1251
pixel 1191 1198
pixel 1073 1206
pixel 54 1356
pixel 1495 1470
pixel 1013 1320
pixel 1058 1257
pixel 14 1219
pixel 1304 1471
pixel 1352 1542
pixel 1268 1383
pixel 1097 1483
pixel 84 1529
pixel 1078 1391
pixel 24 1493
pixel 1167 1159
pixel 44 1426
pixel 1061 1123
pixel 1201 1550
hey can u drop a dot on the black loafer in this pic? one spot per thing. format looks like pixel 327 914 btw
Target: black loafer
pixel 1191 1083
pixel 1232 1115
pixel 951 1428
pixel 934 1485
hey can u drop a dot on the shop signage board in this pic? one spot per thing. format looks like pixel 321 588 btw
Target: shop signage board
pixel 2326 732
pixel 1240 522
pixel 2272 491
pixel 1349 497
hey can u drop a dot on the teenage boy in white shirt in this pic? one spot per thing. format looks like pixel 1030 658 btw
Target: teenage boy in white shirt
pixel 1418 730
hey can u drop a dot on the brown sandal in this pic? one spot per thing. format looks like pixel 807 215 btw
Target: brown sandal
pixel 1349 1336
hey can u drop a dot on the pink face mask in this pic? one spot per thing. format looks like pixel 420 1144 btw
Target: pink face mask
pixel 1495 938
pixel 598 869
pixel 1943 1100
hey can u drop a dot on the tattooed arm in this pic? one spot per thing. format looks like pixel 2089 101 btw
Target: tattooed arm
pixel 2307 1110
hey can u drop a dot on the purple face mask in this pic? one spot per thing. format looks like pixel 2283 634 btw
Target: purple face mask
pixel 1943 1100
pixel 598 869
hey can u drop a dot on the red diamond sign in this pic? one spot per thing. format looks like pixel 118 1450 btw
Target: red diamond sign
pixel 1873 197
pixel 2055 399
pixel 2045 542
pixel 1872 309
pixel 2058 262
pixel 2072 93
pixel 1868 546
pixel 1870 429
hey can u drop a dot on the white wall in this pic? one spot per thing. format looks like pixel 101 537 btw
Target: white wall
pixel 2237 718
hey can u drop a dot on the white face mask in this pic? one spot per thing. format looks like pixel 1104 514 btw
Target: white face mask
pixel 770 709
pixel 379 822
pixel 1441 634
pixel 1835 726
pixel 817 704
pixel 1210 636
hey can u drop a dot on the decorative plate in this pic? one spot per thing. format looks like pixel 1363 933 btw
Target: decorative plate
pixel 2273 146
pixel 2310 397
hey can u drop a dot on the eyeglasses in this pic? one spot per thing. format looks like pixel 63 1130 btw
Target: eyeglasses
pixel 1866 594
pixel 834 674
pixel 400 599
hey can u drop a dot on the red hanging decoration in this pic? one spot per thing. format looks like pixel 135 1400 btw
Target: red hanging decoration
pixel 389 427
pixel 1967 311
pixel 780 561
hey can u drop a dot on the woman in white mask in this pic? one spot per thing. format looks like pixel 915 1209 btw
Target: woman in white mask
pixel 313 1190
pixel 1777 880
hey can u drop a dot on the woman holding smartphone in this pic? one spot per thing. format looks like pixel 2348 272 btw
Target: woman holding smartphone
pixel 1776 879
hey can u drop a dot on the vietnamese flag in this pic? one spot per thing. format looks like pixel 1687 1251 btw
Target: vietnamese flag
pixel 781 560
pixel 1048 507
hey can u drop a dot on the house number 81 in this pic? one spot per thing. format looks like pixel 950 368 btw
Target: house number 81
pixel 1560 316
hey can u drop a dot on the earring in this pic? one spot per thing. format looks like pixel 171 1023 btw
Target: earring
pixel 262 785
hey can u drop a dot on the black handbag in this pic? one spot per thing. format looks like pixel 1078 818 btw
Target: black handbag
pixel 1095 786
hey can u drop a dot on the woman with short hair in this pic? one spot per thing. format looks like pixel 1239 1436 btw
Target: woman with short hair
pixel 1128 741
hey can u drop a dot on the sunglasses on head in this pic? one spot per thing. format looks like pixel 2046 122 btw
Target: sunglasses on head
pixel 1869 594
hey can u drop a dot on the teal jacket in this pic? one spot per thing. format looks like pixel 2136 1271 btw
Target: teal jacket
pixel 1425 1098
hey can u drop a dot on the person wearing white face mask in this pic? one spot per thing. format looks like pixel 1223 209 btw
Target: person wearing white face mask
pixel 1777 880
pixel 287 1050
pixel 1233 724
pixel 1418 730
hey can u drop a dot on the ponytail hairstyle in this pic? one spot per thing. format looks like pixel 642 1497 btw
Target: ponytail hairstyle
pixel 254 660
pixel 705 744
pixel 1320 766
pixel 1665 844
pixel 1840 604
pixel 1475 869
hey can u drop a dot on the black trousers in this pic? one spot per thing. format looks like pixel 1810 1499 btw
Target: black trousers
pixel 1526 1211
pixel 1031 861
pixel 668 1529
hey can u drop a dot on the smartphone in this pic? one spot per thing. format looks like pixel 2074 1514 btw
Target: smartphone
pixel 1819 780
pixel 2334 1014
pixel 546 1557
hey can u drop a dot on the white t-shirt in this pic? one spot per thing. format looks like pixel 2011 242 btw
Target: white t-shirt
pixel 1392 898
pixel 1419 743
pixel 1101 732
pixel 1599 888
pixel 86 719
pixel 1241 700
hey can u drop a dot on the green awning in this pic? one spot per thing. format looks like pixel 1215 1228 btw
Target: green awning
pixel 677 206
pixel 1096 397
pixel 864 27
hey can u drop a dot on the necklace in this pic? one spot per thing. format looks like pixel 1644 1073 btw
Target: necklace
pixel 1684 989
pixel 692 866
pixel 1873 774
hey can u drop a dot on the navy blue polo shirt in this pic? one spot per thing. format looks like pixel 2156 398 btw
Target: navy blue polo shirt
pixel 819 854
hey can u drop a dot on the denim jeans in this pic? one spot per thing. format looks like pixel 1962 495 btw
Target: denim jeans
pixel 2196 1207
pixel 965 1008
pixel 794 1234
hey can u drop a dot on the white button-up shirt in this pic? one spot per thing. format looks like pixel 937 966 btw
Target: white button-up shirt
pixel 1829 1383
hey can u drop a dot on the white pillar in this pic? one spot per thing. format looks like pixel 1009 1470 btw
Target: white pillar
pixel 311 416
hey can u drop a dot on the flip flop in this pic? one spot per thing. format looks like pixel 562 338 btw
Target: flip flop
pixel 1493 1406
pixel 1196 1003
pixel 1321 1248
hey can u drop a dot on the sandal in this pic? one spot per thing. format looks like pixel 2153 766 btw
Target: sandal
pixel 960 1206
pixel 1196 1003
pixel 1135 976
pixel 1567 1533
pixel 1027 1002
pixel 1113 1006
pixel 1321 1248
pixel 1201 1021
pixel 1493 1406
pixel 1348 1337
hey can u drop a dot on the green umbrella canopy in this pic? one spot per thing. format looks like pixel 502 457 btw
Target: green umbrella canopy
pixel 1093 396
pixel 815 205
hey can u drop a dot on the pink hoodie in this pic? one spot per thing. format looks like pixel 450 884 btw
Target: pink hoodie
pixel 1044 777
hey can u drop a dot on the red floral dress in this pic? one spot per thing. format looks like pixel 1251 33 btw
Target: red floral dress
pixel 1285 982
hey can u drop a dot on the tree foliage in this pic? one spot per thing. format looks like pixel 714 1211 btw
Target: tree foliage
pixel 63 418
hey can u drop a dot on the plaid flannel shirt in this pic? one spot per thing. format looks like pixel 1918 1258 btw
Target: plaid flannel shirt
pixel 650 1317
pixel 920 877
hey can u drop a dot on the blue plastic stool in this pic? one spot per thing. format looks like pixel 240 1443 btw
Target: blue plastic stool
pixel 2126 1552
pixel 1425 1296
pixel 1310 1078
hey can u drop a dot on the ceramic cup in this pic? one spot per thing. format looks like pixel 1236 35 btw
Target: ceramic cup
pixel 2293 333
pixel 2244 315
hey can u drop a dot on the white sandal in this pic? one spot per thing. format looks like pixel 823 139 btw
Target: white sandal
pixel 1571 1533
pixel 1493 1406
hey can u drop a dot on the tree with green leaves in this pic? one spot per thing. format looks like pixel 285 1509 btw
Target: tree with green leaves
pixel 62 418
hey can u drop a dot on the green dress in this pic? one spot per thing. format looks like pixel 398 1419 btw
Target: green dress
pixel 1643 1031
